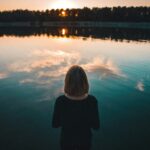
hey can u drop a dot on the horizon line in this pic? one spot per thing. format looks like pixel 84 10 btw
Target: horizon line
pixel 72 8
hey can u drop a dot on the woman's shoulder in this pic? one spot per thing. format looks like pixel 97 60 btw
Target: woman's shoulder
pixel 92 98
pixel 93 102
pixel 62 98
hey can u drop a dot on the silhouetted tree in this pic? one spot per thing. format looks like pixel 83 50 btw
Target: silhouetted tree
pixel 114 14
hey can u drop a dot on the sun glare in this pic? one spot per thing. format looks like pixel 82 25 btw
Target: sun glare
pixel 63 13
pixel 63 4
pixel 64 31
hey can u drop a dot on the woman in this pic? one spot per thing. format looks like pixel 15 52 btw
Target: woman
pixel 76 112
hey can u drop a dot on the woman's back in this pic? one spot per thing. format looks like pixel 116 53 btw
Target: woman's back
pixel 76 112
pixel 76 117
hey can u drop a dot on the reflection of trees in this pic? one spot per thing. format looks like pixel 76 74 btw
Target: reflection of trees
pixel 117 14
pixel 95 33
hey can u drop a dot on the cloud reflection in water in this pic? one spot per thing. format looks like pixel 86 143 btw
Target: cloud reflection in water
pixel 140 86
pixel 40 59
pixel 46 66
pixel 3 75
pixel 103 67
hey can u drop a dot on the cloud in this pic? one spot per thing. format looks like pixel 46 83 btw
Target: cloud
pixel 54 73
pixel 98 66
pixel 46 66
pixel 140 86
pixel 44 59
pixel 3 75
pixel 103 67
pixel 26 81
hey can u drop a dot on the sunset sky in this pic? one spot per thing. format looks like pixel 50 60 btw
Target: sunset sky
pixel 48 4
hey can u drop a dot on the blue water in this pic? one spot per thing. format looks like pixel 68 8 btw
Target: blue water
pixel 32 71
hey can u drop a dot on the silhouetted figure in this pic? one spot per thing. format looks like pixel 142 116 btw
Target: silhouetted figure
pixel 76 112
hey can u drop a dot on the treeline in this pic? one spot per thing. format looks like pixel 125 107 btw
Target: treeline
pixel 94 33
pixel 114 14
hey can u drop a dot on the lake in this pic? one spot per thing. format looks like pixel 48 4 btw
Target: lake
pixel 33 64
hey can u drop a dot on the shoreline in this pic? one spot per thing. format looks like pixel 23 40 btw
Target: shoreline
pixel 134 25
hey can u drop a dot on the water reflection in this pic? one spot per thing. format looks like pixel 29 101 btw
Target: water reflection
pixel 41 59
pixel 103 67
pixel 140 86
pixel 116 34
pixel 26 81
pixel 43 66
pixel 3 75
pixel 64 31
pixel 32 71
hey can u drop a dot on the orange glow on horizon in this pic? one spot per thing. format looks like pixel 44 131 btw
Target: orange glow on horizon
pixel 63 13
pixel 64 4
pixel 64 31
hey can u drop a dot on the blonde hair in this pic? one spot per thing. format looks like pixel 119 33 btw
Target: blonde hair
pixel 76 82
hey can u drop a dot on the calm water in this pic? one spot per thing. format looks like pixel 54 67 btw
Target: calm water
pixel 32 70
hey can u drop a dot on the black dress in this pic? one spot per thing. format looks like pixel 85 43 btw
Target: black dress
pixel 76 118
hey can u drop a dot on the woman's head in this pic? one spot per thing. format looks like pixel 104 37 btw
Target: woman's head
pixel 76 83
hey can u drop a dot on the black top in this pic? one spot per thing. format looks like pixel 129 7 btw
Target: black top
pixel 76 117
